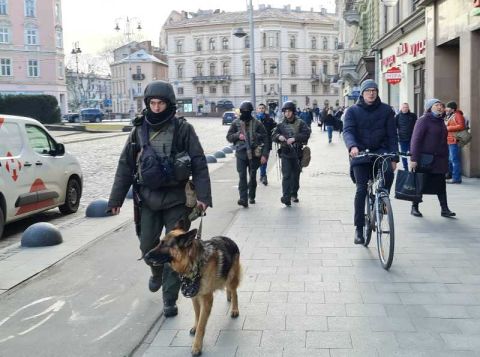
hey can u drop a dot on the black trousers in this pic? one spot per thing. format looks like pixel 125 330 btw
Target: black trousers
pixel 362 174
pixel 291 170
pixel 247 168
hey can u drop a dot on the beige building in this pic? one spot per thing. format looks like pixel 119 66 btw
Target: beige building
pixel 134 71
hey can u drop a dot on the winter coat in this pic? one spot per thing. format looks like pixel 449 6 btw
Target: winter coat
pixel 370 127
pixel 295 129
pixel 257 134
pixel 430 137
pixel 330 120
pixel 163 198
pixel 269 125
pixel 405 123
pixel 456 122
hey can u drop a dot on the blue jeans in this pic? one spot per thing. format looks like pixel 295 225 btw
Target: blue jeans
pixel 263 170
pixel 454 162
pixel 329 131
pixel 404 147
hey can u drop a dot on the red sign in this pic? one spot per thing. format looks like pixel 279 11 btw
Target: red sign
pixel 393 75
pixel 402 49
pixel 388 61
pixel 417 47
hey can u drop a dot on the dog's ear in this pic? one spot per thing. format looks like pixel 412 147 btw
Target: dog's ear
pixel 186 239
pixel 183 223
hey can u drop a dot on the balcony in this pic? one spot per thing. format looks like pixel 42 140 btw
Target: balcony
pixel 211 79
pixel 352 16
pixel 138 76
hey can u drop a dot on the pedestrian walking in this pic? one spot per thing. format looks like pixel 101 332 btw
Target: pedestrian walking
pixel 405 121
pixel 429 151
pixel 330 124
pixel 292 134
pixel 249 137
pixel 369 125
pixel 455 123
pixel 269 125
pixel 149 162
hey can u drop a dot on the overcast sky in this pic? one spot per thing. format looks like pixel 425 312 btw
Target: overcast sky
pixel 92 22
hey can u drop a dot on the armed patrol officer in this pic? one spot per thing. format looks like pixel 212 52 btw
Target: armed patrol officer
pixel 149 161
pixel 292 134
pixel 249 136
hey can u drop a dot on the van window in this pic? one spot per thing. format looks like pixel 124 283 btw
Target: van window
pixel 10 139
pixel 39 140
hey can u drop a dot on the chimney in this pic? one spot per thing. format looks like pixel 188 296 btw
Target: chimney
pixel 323 11
pixel 287 7
pixel 298 9
pixel 311 9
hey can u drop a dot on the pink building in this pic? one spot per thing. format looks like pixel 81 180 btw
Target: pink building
pixel 31 49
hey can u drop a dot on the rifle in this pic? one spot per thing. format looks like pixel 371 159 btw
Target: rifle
pixel 137 201
pixel 247 141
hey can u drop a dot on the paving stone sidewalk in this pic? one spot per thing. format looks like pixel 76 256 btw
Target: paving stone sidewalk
pixel 307 290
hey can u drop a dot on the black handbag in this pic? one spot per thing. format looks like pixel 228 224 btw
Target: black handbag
pixel 425 163
pixel 409 186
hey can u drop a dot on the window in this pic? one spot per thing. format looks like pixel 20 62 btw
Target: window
pixel 31 36
pixel 212 89
pixel 199 69
pixel 335 43
pixel 325 67
pixel 59 38
pixel 10 140
pixel 293 67
pixel 247 41
pixel 293 88
pixel 336 67
pixel 247 88
pixel 225 43
pixel 4 35
pixel 5 67
pixel 58 12
pixel 226 89
pixel 264 67
pixel 179 46
pixel 198 44
pixel 325 88
pixel 314 88
pixel 246 68
pixel 325 43
pixel 314 67
pixel 271 40
pixel 212 69
pixel 211 44
pixel 292 42
pixel 314 43
pixel 3 7
pixel 61 71
pixel 265 88
pixel 199 90
pixel 226 69
pixel 180 71
pixel 273 67
pixel 30 8
pixel 264 40
pixel 139 69
pixel 39 140
pixel 272 89
pixel 180 90
pixel 139 88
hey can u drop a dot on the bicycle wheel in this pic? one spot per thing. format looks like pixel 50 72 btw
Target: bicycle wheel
pixel 367 228
pixel 385 232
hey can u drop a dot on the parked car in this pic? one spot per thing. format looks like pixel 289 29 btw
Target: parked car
pixel 228 118
pixel 72 117
pixel 224 104
pixel 36 174
pixel 93 115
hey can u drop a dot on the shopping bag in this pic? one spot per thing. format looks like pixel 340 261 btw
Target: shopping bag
pixel 409 186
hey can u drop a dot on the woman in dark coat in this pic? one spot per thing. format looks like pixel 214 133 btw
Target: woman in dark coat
pixel 430 137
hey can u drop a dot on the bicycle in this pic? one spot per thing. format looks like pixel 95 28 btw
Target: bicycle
pixel 378 209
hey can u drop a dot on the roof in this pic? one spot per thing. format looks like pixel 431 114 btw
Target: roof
pixel 141 56
pixel 215 18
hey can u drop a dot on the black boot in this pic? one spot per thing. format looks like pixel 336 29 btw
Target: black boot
pixel 286 201
pixel 415 212
pixel 242 202
pixel 359 239
pixel 169 308
pixel 251 200
pixel 442 198
pixel 154 283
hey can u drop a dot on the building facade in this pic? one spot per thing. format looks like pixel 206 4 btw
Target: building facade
pixel 31 49
pixel 208 64
pixel 134 71
pixel 88 90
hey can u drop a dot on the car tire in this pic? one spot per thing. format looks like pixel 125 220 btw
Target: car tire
pixel 72 197
pixel 2 222
pixel 98 120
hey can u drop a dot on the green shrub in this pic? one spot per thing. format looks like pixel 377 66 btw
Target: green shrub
pixel 44 108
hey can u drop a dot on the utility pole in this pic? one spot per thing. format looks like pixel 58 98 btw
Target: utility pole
pixel 76 51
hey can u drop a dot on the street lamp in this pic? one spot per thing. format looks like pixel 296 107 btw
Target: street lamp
pixel 240 33
pixel 76 51
pixel 128 32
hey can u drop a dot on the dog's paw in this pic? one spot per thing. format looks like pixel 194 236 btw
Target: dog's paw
pixel 234 314
pixel 196 352
pixel 193 330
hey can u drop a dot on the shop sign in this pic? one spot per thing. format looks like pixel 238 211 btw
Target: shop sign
pixel 393 75
pixel 402 49
pixel 388 61
pixel 417 47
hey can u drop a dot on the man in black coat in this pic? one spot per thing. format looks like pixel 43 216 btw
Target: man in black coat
pixel 269 125
pixel 163 199
pixel 405 121
pixel 369 124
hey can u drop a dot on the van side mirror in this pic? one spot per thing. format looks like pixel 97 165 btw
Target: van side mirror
pixel 59 149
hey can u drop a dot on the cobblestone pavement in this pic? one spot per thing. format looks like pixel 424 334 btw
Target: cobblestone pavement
pixel 98 154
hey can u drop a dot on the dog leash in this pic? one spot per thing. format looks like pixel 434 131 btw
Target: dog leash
pixel 199 231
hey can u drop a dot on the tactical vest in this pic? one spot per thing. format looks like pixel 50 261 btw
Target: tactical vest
pixel 251 128
pixel 291 129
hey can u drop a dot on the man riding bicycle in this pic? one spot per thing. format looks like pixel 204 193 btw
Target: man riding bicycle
pixel 369 125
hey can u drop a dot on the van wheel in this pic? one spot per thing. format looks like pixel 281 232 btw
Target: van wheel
pixel 2 222
pixel 72 197
pixel 97 120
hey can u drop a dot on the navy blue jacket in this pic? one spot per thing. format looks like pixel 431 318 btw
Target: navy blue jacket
pixel 370 127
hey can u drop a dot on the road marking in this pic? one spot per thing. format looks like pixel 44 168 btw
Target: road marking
pixel 37 325
pixel 122 321
pixel 102 301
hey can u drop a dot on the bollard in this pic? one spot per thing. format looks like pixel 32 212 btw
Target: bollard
pixel 227 150
pixel 41 234
pixel 211 159
pixel 98 208
pixel 219 155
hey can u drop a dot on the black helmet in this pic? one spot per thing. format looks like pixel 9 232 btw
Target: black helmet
pixel 246 106
pixel 290 106
pixel 159 89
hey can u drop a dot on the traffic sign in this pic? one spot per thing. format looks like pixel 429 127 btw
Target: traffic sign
pixel 393 75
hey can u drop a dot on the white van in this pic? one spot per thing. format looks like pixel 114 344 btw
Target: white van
pixel 36 174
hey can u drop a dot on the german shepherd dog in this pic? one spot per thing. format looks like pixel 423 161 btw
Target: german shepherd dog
pixel 203 267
